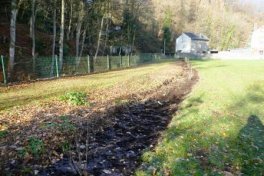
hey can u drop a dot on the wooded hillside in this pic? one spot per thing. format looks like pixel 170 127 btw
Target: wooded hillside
pixel 226 23
pixel 94 27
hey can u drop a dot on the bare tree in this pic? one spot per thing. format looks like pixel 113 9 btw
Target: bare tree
pixel 62 33
pixel 12 47
pixel 78 31
pixel 70 20
pixel 33 19
pixel 54 37
pixel 99 38
pixel 83 40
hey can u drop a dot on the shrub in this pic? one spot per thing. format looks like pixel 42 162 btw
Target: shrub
pixel 75 98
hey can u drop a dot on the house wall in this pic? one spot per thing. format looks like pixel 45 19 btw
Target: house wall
pixel 199 46
pixel 183 44
pixel 257 41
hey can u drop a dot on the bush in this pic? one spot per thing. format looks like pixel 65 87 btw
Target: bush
pixel 75 98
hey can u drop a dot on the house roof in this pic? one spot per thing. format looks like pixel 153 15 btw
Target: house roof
pixel 194 36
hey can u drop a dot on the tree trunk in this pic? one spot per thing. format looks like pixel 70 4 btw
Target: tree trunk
pixel 129 41
pixel 30 28
pixel 99 39
pixel 62 33
pixel 107 26
pixel 78 33
pixel 164 47
pixel 107 36
pixel 12 47
pixel 133 41
pixel 82 44
pixel 77 42
pixel 33 35
pixel 78 30
pixel 70 21
pixel 54 39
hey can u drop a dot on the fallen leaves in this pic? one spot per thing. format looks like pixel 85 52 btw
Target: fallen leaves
pixel 44 135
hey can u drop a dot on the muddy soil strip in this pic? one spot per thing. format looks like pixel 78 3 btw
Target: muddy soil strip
pixel 116 149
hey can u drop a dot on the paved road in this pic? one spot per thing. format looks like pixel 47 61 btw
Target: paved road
pixel 238 54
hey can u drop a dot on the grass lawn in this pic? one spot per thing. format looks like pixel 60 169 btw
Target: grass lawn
pixel 219 128
pixel 141 78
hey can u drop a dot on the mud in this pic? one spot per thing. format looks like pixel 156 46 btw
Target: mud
pixel 134 127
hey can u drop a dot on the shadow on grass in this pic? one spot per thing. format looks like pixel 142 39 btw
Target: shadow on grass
pixel 251 146
pixel 234 146
pixel 215 155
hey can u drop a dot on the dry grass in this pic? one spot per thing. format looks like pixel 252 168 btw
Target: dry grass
pixel 96 86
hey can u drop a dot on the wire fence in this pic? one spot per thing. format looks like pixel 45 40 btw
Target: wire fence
pixel 52 67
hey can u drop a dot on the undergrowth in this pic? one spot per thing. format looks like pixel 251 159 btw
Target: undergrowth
pixel 75 98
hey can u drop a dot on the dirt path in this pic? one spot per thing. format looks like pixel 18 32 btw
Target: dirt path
pixel 136 126
pixel 109 142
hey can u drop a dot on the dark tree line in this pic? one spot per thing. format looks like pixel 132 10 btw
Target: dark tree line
pixel 95 27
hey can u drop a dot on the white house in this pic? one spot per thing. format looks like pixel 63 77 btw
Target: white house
pixel 192 43
pixel 257 40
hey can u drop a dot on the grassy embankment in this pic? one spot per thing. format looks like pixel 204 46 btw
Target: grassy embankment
pixel 131 80
pixel 219 127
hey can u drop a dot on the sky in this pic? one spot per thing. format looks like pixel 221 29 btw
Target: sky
pixel 258 4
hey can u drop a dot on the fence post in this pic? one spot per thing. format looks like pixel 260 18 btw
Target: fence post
pixel 3 67
pixel 88 64
pixel 128 60
pixel 108 62
pixel 57 66
pixel 92 64
pixel 121 62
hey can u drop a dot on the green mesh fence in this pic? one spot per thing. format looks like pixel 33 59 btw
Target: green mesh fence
pixel 100 64
pixel 49 67
pixel 115 62
pixel 45 67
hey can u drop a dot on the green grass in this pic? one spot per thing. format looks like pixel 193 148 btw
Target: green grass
pixel 219 127
pixel 35 93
